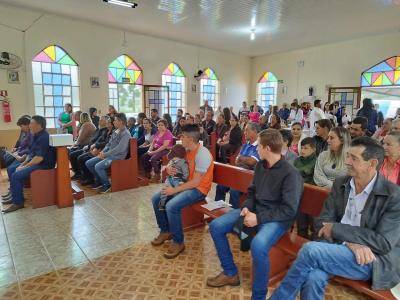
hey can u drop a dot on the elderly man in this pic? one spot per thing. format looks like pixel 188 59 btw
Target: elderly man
pixel 209 124
pixel 41 156
pixel 359 224
pixel 358 127
pixel 195 189
pixel 270 208
pixel 247 159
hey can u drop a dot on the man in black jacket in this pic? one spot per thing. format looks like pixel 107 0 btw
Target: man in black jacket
pixel 359 225
pixel 271 208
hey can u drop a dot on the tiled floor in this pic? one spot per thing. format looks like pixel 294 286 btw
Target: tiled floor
pixel 99 249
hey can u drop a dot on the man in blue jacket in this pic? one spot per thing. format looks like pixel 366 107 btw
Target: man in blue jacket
pixel 41 156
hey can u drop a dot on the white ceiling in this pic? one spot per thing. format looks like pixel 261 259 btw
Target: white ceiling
pixel 281 25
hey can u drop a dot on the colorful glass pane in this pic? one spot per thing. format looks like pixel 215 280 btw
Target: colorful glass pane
pixel 268 77
pixel 267 88
pixel 55 75
pixel 173 70
pixel 175 79
pixel 55 54
pixel 384 73
pixel 124 70
pixel 209 74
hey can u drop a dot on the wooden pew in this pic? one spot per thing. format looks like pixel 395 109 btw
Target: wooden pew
pixel 228 175
pixel 124 172
pixel 311 203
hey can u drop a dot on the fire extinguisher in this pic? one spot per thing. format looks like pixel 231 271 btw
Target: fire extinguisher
pixel 6 111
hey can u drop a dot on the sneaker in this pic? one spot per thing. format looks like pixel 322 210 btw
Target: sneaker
pixel 96 186
pixel 12 208
pixel 6 195
pixel 105 189
pixel 6 202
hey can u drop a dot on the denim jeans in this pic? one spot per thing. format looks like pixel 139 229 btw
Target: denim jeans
pixel 8 158
pixel 98 167
pixel 17 179
pixel 173 182
pixel 73 158
pixel 169 220
pixel 268 234
pixel 234 198
pixel 315 264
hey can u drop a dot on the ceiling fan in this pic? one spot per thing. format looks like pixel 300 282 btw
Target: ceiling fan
pixel 9 61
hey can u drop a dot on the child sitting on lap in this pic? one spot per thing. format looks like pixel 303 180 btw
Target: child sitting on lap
pixel 177 160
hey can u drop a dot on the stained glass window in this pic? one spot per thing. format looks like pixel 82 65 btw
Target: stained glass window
pixel 125 82
pixel 175 79
pixel 209 88
pixel 55 83
pixel 385 73
pixel 267 88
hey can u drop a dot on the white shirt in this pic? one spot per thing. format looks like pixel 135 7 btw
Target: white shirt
pixel 356 203
pixel 316 115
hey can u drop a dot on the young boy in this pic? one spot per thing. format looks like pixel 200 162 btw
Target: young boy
pixel 287 153
pixel 177 160
pixel 305 164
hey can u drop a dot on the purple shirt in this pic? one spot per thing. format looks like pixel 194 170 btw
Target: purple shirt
pixel 158 140
pixel 23 143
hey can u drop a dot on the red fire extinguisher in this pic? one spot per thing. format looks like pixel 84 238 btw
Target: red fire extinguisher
pixel 6 111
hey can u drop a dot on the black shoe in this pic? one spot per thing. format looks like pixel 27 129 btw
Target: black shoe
pixel 12 208
pixel 6 202
pixel 86 182
pixel 76 176
pixel 105 189
pixel 96 186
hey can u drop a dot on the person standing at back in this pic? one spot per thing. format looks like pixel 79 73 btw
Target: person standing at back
pixel 316 114
pixel 368 111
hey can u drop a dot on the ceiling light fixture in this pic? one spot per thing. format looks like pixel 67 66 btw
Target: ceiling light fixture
pixel 252 35
pixel 125 3
pixel 253 21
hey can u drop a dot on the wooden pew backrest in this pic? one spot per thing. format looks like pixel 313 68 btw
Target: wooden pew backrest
pixel 313 199
pixel 234 177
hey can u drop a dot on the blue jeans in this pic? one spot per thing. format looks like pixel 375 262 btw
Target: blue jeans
pixel 315 264
pixel 268 234
pixel 17 179
pixel 234 198
pixel 169 220
pixel 98 167
pixel 172 182
pixel 8 158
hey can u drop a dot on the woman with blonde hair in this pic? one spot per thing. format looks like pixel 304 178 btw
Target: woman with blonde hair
pixel 331 163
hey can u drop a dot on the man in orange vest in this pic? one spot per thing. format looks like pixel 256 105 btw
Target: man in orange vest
pixel 201 166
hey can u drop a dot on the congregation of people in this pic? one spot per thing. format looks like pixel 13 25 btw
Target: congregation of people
pixel 356 158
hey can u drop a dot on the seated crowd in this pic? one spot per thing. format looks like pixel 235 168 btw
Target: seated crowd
pixel 356 235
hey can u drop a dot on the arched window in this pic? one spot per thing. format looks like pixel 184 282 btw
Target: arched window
pixel 209 88
pixel 385 73
pixel 125 85
pixel 267 88
pixel 381 83
pixel 175 79
pixel 55 83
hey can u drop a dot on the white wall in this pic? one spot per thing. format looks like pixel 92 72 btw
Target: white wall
pixel 12 41
pixel 338 64
pixel 93 47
